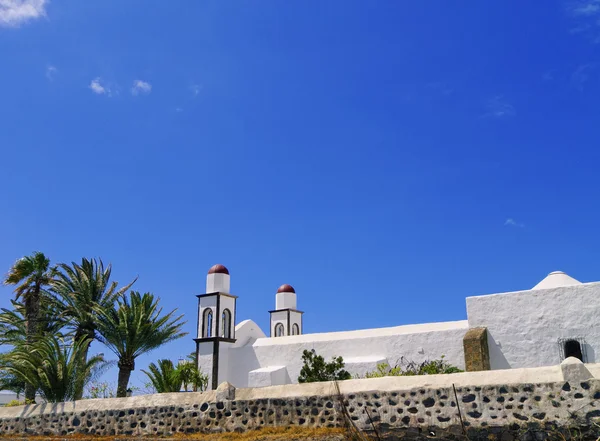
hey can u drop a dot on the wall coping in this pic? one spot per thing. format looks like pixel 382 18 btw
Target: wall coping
pixel 545 375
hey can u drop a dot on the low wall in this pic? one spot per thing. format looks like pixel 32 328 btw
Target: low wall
pixel 492 404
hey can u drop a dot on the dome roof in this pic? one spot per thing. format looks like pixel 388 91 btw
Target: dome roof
pixel 286 288
pixel 218 269
pixel 556 279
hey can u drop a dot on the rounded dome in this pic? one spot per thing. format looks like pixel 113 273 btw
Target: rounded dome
pixel 286 288
pixel 218 269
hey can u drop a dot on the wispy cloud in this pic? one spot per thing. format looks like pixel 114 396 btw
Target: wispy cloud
pixel 141 88
pixel 510 222
pixel 440 87
pixel 195 89
pixel 586 15
pixel 548 75
pixel 498 107
pixel 582 75
pixel 99 87
pixel 585 8
pixel 14 13
pixel 51 71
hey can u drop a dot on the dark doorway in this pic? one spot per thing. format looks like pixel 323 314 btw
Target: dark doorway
pixel 573 349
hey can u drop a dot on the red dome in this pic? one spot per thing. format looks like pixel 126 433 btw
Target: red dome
pixel 286 288
pixel 218 269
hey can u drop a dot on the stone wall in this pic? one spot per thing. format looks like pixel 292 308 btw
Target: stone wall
pixel 489 403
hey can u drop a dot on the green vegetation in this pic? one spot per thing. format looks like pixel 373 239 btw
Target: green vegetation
pixel 53 368
pixel 133 327
pixel 191 376
pixel 165 377
pixel 409 368
pixel 316 369
pixel 58 311
pixel 14 403
pixel 30 275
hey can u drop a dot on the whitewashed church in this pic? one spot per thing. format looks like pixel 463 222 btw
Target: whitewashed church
pixel 557 318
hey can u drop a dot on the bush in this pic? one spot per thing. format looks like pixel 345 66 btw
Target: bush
pixel 13 403
pixel 408 368
pixel 316 369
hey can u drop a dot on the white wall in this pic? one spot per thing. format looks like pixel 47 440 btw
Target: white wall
pixel 524 326
pixel 227 303
pixel 205 359
pixel 279 317
pixel 295 319
pixel 415 342
pixel 285 300
pixel 207 302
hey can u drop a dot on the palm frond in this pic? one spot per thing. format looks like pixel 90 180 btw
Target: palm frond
pixel 164 376
pixel 54 366
pixel 136 326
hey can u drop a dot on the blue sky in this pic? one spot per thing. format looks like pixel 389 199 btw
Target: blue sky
pixel 387 159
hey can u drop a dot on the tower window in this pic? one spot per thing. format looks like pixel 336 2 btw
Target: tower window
pixel 226 318
pixel 295 329
pixel 573 349
pixel 279 330
pixel 207 318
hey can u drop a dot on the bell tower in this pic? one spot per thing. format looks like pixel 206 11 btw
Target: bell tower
pixel 285 318
pixel 216 326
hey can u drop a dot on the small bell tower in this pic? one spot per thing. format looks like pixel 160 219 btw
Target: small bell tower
pixel 285 318
pixel 216 326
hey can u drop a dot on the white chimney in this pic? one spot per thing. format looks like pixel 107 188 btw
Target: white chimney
pixel 285 298
pixel 217 280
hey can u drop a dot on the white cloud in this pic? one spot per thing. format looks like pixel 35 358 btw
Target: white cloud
pixel 498 107
pixel 510 222
pixel 582 75
pixel 585 8
pixel 14 13
pixel 141 87
pixel 195 88
pixel 586 15
pixel 51 71
pixel 548 75
pixel 440 87
pixel 99 87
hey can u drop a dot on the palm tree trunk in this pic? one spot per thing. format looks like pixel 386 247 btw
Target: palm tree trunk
pixel 32 313
pixel 79 334
pixel 125 369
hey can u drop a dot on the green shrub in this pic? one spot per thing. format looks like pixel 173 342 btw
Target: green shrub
pixel 13 403
pixel 316 369
pixel 408 368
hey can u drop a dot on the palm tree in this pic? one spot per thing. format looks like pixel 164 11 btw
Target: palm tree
pixel 191 375
pixel 81 291
pixel 164 377
pixel 9 381
pixel 134 326
pixel 13 326
pixel 30 275
pixel 54 366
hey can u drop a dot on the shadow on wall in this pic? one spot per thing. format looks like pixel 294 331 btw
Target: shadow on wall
pixel 590 354
pixel 497 358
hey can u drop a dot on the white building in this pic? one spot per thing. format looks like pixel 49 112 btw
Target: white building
pixel 559 317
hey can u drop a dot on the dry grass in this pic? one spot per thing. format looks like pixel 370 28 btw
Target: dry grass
pixel 267 434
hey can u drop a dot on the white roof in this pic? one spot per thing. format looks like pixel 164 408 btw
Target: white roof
pixel 556 279
pixel 364 333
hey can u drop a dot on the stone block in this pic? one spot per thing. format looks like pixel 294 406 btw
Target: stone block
pixel 225 392
pixel 574 370
pixel 477 354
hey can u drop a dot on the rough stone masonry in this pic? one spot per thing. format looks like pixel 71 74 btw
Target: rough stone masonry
pixel 493 404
